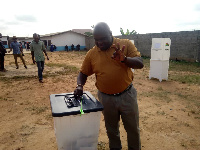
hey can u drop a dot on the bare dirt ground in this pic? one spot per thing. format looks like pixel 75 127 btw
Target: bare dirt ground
pixel 169 110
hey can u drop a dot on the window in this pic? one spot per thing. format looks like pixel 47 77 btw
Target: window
pixel 49 42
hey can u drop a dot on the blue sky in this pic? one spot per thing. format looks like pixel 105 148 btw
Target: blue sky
pixel 23 18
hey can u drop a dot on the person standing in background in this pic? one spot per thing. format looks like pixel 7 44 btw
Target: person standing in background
pixel 51 48
pixel 37 50
pixel 66 48
pixel 72 47
pixel 78 47
pixel 16 52
pixel 2 54
pixel 28 46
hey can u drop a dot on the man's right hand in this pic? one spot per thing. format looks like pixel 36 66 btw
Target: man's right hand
pixel 34 61
pixel 78 92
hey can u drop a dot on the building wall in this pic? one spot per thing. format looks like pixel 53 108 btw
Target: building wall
pixel 89 41
pixel 46 38
pixel 28 40
pixel 63 39
pixel 68 38
pixel 4 40
pixel 185 45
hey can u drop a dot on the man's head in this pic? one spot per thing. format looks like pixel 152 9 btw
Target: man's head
pixel 14 38
pixel 102 36
pixel 36 37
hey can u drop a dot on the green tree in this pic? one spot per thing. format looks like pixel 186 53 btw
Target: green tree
pixel 89 33
pixel 127 32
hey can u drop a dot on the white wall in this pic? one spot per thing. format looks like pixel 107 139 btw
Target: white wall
pixel 63 39
pixel 4 38
pixel 68 38
pixel 28 40
pixel 46 38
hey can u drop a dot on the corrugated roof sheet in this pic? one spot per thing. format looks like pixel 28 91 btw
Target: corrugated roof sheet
pixel 82 31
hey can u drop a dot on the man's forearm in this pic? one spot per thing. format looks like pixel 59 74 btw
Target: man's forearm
pixel 32 57
pixel 32 53
pixel 45 52
pixel 134 62
pixel 81 79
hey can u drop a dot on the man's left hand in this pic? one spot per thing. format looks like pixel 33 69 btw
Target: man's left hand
pixel 119 53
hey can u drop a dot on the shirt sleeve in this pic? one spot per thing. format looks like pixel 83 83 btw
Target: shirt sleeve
pixel 132 50
pixel 31 47
pixel 43 47
pixel 86 67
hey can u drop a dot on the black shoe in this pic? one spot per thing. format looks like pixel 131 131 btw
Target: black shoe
pixel 25 67
pixel 17 67
pixel 41 81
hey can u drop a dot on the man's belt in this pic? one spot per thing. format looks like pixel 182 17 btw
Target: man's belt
pixel 117 94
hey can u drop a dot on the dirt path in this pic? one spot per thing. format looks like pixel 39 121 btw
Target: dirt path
pixel 169 111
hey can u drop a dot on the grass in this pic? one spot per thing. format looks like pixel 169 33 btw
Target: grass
pixel 190 99
pixel 181 71
pixel 161 94
pixel 67 68
pixel 160 112
pixel 178 65
pixel 26 130
pixel 184 66
pixel 15 78
pixel 189 79
pixel 37 110
pixel 3 99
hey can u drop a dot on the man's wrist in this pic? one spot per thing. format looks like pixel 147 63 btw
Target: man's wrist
pixel 79 85
pixel 125 58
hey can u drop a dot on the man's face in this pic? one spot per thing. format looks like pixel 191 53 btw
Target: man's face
pixel 36 39
pixel 103 40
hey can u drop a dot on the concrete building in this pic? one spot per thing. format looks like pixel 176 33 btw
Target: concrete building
pixel 4 41
pixel 59 39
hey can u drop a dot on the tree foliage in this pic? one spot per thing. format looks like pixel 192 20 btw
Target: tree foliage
pixel 89 33
pixel 127 32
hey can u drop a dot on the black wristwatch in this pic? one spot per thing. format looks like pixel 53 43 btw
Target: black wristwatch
pixel 79 85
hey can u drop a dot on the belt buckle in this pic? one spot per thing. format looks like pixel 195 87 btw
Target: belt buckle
pixel 116 94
